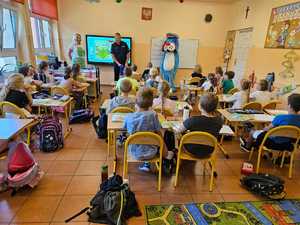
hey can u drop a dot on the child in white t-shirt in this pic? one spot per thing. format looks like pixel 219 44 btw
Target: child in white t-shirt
pixel 208 85
pixel 262 95
pixel 241 97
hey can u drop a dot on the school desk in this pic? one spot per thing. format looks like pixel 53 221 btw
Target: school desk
pixel 275 112
pixel 11 127
pixel 115 123
pixel 49 102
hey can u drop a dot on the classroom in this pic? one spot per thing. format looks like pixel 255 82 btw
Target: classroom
pixel 157 112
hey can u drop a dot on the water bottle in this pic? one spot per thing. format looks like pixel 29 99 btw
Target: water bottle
pixel 104 173
pixel 186 113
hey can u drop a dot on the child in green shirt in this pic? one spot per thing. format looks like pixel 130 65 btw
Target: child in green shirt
pixel 227 83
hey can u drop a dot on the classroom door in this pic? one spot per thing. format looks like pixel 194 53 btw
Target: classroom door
pixel 242 44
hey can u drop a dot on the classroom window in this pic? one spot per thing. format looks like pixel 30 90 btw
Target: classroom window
pixel 42 35
pixel 8 39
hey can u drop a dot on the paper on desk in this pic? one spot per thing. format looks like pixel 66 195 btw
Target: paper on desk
pixel 167 124
pixel 118 117
pixel 263 117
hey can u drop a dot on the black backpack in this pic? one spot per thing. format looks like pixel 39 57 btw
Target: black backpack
pixel 81 116
pixel 100 124
pixel 113 203
pixel 266 185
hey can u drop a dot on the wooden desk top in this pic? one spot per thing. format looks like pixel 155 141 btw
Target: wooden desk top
pixel 224 98
pixel 253 118
pixel 49 102
pixel 10 127
pixel 275 112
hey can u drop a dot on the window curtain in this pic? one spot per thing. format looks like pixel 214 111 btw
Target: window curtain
pixel 46 8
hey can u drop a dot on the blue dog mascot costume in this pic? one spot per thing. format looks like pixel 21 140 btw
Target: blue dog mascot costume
pixel 170 59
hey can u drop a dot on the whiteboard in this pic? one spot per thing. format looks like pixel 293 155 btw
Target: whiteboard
pixel 188 52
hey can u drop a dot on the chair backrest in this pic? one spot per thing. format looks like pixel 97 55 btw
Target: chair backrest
pixel 292 132
pixel 232 91
pixel 194 80
pixel 166 112
pixel 197 137
pixel 270 105
pixel 8 107
pixel 145 138
pixel 122 109
pixel 59 90
pixel 253 105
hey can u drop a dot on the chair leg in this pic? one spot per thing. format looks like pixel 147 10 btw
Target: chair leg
pixel 177 171
pixel 291 165
pixel 159 175
pixel 125 167
pixel 211 183
pixel 108 142
pixel 282 159
pixel 28 136
pixel 251 154
pixel 258 160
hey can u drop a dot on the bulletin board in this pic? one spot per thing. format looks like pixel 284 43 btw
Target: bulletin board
pixel 284 27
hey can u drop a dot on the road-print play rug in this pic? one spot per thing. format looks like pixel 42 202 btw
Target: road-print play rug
pixel 285 212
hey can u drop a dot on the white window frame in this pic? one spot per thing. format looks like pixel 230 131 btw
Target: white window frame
pixel 40 32
pixel 8 52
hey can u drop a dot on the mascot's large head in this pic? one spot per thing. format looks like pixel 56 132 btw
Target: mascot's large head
pixel 171 43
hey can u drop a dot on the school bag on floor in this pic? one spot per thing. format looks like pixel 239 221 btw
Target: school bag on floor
pixel 113 203
pixel 22 168
pixel 100 124
pixel 81 116
pixel 51 134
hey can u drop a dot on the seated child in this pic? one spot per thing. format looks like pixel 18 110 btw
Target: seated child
pixel 144 119
pixel 241 97
pixel 76 73
pixel 209 84
pixel 209 121
pixel 123 99
pixel 135 75
pixel 219 75
pixel 128 74
pixel 151 82
pixel 261 95
pixel 68 82
pixel 227 83
pixel 146 73
pixel 277 143
pixel 43 74
pixel 163 102
pixel 14 92
pixel 29 83
pixel 197 71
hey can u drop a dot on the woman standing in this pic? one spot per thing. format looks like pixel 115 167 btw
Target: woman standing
pixel 77 52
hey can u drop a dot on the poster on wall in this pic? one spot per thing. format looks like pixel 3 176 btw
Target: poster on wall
pixel 284 27
pixel 229 43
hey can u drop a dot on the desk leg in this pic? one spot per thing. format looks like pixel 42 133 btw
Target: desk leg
pixel 67 110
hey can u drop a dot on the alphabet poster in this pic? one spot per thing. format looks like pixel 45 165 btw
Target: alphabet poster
pixel 284 27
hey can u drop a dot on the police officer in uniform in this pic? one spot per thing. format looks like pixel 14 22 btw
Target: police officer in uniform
pixel 120 54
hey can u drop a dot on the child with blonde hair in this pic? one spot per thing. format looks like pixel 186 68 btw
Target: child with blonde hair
pixel 151 82
pixel 163 101
pixel 241 97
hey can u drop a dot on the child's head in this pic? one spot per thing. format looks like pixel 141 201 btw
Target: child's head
pixel 164 88
pixel 127 71
pixel 153 72
pixel 32 70
pixel 24 70
pixel 209 103
pixel 76 69
pixel 245 85
pixel 150 65
pixel 229 75
pixel 68 73
pixel 212 78
pixel 125 86
pixel 294 103
pixel 198 69
pixel 262 85
pixel 43 66
pixel 219 70
pixel 144 98
pixel 134 68
pixel 14 82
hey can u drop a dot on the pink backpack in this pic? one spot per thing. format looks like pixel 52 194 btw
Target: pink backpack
pixel 21 167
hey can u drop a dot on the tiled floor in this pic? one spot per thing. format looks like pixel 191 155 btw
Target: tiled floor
pixel 72 177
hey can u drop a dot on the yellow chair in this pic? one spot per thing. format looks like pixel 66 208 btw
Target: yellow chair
pixel 197 137
pixel 253 105
pixel 194 81
pixel 270 105
pixel 8 107
pixel 281 131
pixel 145 138
pixel 122 109
pixel 59 90
pixel 232 91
